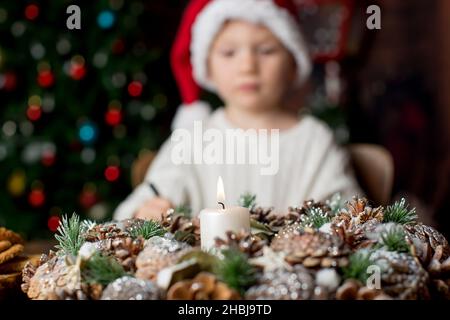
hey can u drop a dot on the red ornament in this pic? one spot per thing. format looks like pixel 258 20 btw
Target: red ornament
pixel 10 81
pixel 53 223
pixel 112 173
pixel 31 11
pixel 135 89
pixel 34 112
pixel 77 71
pixel 36 198
pixel 48 158
pixel 113 117
pixel 88 198
pixel 46 78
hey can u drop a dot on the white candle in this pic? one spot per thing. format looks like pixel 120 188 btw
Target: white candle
pixel 216 222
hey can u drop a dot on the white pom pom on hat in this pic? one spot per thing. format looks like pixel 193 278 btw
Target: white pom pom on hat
pixel 201 22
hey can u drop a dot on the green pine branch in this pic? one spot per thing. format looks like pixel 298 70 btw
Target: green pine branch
pixel 399 213
pixel 358 265
pixel 247 200
pixel 394 240
pixel 70 235
pixel 235 270
pixel 183 210
pixel 315 218
pixel 102 269
pixel 336 203
pixel 147 230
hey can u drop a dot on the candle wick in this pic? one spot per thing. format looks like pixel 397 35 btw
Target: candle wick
pixel 223 206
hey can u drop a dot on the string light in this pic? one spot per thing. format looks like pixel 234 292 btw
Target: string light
pixel 106 19
pixel 87 132
pixel 31 11
pixel 36 198
pixel 112 173
pixel 53 223
pixel 135 89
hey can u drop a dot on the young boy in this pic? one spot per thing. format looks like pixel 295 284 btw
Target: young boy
pixel 252 54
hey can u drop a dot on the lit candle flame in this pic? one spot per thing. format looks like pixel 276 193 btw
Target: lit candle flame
pixel 220 192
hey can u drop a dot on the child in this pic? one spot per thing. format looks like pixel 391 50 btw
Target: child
pixel 251 53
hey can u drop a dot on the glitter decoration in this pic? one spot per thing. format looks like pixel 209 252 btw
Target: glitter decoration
pixel 281 284
pixel 129 288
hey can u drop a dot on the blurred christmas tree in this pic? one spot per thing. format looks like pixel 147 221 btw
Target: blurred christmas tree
pixel 77 106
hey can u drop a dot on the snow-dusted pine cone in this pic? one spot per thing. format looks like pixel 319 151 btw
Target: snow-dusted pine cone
pixel 358 212
pixel 402 276
pixel 352 289
pixel 30 269
pixel 356 221
pixel 282 284
pixel 105 231
pixel 310 247
pixel 56 280
pixel 187 229
pixel 426 240
pixel 244 242
pixel 274 221
pixel 129 288
pixel 307 206
pixel 125 250
pixel 158 253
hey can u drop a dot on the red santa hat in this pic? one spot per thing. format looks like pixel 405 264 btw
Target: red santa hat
pixel 201 22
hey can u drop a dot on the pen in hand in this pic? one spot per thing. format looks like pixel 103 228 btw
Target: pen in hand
pixel 155 191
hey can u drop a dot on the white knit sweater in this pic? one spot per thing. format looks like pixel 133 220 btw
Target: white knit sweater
pixel 311 166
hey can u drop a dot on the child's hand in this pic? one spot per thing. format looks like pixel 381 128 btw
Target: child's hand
pixel 153 209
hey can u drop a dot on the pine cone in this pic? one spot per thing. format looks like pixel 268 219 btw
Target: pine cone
pixel 55 280
pixel 356 237
pixel 204 286
pixel 402 276
pixel 311 248
pixel 244 242
pixel 354 290
pixel 129 288
pixel 159 252
pixel 357 213
pixel 105 231
pixel 354 223
pixel 426 240
pixel 306 207
pixel 267 217
pixel 282 284
pixel 125 250
pixel 186 229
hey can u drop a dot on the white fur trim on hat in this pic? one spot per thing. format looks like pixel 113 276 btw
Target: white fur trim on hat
pixel 187 114
pixel 265 12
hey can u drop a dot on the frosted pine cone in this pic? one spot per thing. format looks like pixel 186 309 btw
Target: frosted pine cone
pixel 281 284
pixel 311 248
pixel 129 288
pixel 244 242
pixel 402 276
pixel 159 252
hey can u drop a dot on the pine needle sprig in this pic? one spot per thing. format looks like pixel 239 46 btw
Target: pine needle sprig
pixel 247 200
pixel 359 262
pixel 394 239
pixel 235 270
pixel 147 230
pixel 183 210
pixel 70 237
pixel 314 218
pixel 399 213
pixel 102 269
pixel 336 203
